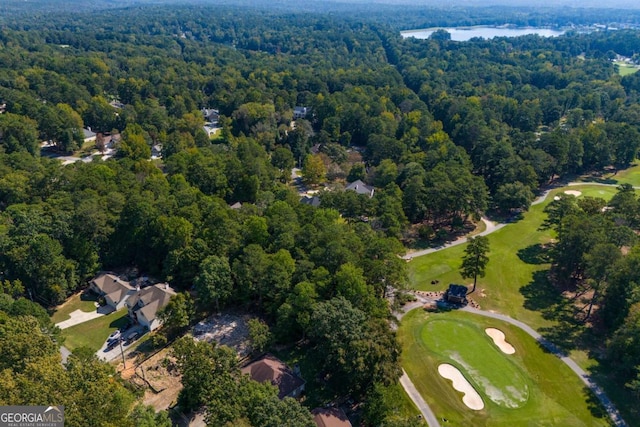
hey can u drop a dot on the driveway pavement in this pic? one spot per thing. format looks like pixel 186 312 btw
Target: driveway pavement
pixel 79 316
pixel 110 353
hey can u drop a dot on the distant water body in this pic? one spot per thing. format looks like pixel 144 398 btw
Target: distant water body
pixel 463 34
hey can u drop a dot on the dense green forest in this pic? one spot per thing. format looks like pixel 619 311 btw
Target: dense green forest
pixel 445 131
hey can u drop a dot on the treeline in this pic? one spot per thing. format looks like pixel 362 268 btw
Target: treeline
pixel 597 256
pixel 444 131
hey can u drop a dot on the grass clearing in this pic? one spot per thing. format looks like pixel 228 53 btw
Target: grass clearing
pixel 556 396
pixel 516 274
pixel 94 333
pixel 80 301
pixel 625 69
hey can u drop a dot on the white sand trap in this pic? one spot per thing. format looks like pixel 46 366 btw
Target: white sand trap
pixel 498 339
pixel 573 193
pixel 471 397
pixel 556 198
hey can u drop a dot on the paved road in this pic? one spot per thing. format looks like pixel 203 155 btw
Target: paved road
pixel 599 393
pixel 415 396
pixel 490 228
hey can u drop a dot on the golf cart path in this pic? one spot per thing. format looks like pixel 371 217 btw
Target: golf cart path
pixel 428 414
pixel 597 391
pixel 490 228
pixel 417 399
pixel 494 226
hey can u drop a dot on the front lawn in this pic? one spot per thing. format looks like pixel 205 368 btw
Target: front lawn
pixel 94 333
pixel 80 301
pixel 554 394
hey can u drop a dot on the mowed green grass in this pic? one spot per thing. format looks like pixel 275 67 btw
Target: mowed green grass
pixel 481 362
pixel 79 301
pixel 510 285
pixel 555 395
pixel 94 333
pixel 625 69
pixel 630 175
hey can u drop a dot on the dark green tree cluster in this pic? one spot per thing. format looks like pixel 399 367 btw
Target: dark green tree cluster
pixel 598 252
pixel 31 373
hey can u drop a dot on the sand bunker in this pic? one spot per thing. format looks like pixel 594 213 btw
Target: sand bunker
pixel 573 193
pixel 498 339
pixel 471 397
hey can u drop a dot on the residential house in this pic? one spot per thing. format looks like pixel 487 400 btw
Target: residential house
pixel 300 112
pixel 145 304
pixel 311 200
pixel 3 107
pixel 271 369
pixel 456 294
pixel 236 205
pixel 210 129
pixel 211 115
pixel 360 188
pixel 114 290
pixel 330 417
pixel 88 135
pixel 117 104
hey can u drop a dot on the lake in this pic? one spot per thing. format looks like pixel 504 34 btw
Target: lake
pixel 463 34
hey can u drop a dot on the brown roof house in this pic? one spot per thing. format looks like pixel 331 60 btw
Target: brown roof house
pixel 144 305
pixel 114 290
pixel 330 417
pixel 271 369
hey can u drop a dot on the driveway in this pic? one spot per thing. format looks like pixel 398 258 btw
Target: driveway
pixel 79 316
pixel 111 353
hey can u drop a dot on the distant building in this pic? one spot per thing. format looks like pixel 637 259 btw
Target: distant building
pixel 144 306
pixel 312 201
pixel 360 188
pixel 456 294
pixel 273 370
pixel 114 290
pixel 88 135
pixel 211 115
pixel 3 107
pixel 300 112
pixel 236 205
pixel 330 417
pixel 117 104
pixel 211 129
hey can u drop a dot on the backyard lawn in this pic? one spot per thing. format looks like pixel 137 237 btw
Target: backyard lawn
pixel 80 301
pixel 528 386
pixel 94 333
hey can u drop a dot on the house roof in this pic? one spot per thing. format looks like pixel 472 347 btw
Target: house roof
pixel 151 299
pixel 360 188
pixel 457 290
pixel 330 417
pixel 88 133
pixel 236 205
pixel 313 201
pixel 271 369
pixel 112 286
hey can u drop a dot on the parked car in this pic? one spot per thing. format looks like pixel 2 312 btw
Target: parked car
pixel 132 337
pixel 115 336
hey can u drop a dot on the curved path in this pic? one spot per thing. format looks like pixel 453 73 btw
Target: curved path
pixel 599 393
pixel 494 226
pixel 428 414
pixel 490 228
